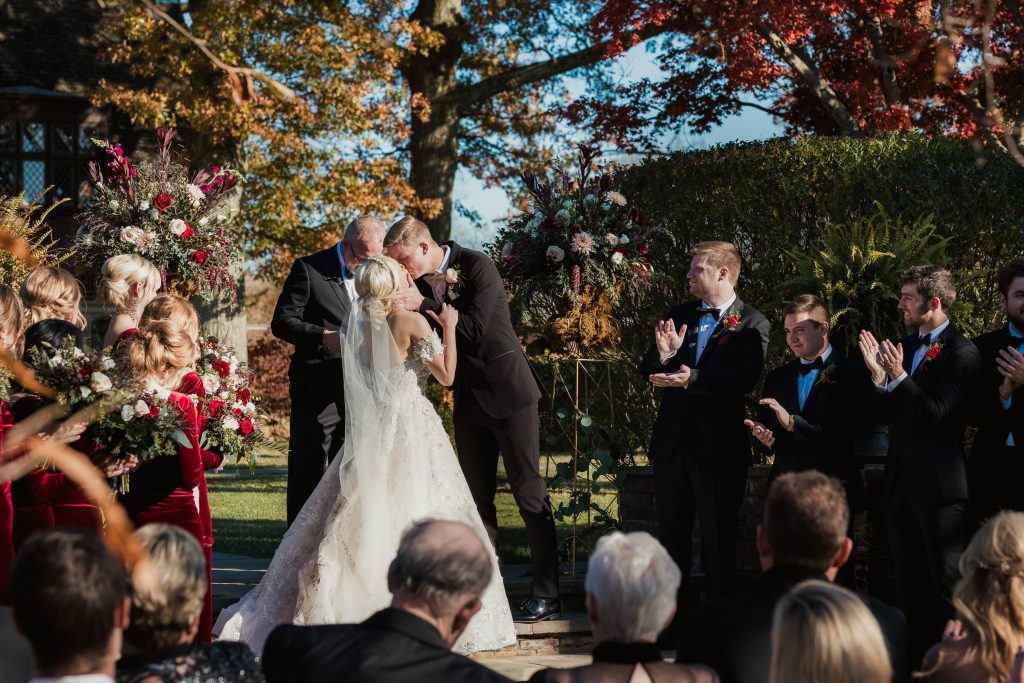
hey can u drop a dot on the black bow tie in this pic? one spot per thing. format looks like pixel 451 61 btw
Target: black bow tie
pixel 713 312
pixel 816 364
pixel 922 339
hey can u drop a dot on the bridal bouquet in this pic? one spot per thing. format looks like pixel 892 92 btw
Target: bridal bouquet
pixel 179 223
pixel 233 418
pixel 576 257
pixel 79 378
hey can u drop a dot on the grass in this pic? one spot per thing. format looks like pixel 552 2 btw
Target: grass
pixel 249 513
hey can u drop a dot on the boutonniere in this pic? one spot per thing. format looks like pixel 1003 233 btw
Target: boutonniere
pixel 453 279
pixel 934 349
pixel 826 375
pixel 731 319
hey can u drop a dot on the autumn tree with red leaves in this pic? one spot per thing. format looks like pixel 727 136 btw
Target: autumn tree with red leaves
pixel 830 67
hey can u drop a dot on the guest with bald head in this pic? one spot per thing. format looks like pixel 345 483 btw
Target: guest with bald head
pixel 436 580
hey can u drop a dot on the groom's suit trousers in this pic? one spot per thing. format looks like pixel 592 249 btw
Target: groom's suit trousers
pixel 479 439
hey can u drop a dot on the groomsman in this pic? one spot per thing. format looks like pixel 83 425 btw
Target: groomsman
pixel 810 406
pixel 707 356
pixel 996 467
pixel 923 390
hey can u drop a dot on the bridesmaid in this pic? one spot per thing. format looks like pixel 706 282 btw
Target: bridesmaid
pixel 127 283
pixel 167 489
pixel 182 315
pixel 52 294
pixel 10 341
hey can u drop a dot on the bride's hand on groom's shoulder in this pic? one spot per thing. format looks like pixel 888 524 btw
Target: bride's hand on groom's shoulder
pixel 448 318
pixel 409 299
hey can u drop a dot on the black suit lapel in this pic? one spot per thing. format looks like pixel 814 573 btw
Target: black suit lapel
pixel 943 340
pixel 816 387
pixel 333 277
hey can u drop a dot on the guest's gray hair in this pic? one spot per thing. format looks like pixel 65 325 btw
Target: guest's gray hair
pixel 369 227
pixel 160 616
pixel 438 574
pixel 634 582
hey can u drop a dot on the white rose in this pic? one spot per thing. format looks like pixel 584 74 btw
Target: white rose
pixel 131 234
pixel 100 382
pixel 196 195
pixel 84 391
pixel 144 206
pixel 623 239
pixel 141 408
pixel 114 205
pixel 611 239
pixel 230 423
pixel 210 383
pixel 107 363
pixel 127 413
pixel 617 257
pixel 555 254
pixel 177 226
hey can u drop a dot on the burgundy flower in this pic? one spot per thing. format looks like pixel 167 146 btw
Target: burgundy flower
pixel 215 407
pixel 222 368
pixel 154 411
pixel 200 256
pixel 237 412
pixel 162 201
pixel 244 395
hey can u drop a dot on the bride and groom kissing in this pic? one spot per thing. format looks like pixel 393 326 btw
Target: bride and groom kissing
pixel 365 330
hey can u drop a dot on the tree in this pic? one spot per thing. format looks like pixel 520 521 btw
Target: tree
pixel 841 67
pixel 336 108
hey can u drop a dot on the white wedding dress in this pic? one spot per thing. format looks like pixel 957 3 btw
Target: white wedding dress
pixel 400 467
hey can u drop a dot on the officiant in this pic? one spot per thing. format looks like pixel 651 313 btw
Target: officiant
pixel 311 314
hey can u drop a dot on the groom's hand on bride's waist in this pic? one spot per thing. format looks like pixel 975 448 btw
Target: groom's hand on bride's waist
pixel 332 341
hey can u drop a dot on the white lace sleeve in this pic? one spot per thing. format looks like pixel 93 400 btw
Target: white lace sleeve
pixel 428 348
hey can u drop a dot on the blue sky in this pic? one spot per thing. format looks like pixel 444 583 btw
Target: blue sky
pixel 493 204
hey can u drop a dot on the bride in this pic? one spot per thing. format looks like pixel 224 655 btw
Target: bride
pixel 397 466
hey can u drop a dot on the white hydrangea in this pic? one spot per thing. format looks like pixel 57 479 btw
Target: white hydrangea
pixel 177 226
pixel 195 195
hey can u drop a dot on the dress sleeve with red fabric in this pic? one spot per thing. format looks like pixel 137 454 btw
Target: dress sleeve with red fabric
pixel 192 385
pixel 190 459
pixel 6 511
pixel 121 338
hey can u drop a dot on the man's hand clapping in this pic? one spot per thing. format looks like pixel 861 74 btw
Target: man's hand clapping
pixel 667 339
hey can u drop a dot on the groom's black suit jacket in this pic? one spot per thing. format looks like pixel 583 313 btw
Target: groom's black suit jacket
pixel 312 299
pixel 929 413
pixel 493 374
pixel 392 646
pixel 825 429
pixel 704 421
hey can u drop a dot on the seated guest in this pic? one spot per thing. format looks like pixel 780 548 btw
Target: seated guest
pixel 436 580
pixel 70 601
pixel 823 633
pixel 159 641
pixel 989 600
pixel 803 536
pixel 631 596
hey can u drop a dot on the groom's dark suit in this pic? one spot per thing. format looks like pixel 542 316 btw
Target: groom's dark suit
pixel 314 298
pixel 496 396
pixel 700 447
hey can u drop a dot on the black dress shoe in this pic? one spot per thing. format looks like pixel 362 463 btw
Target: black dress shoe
pixel 533 610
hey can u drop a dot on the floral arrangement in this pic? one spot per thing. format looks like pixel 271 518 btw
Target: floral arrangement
pixel 79 378
pixel 577 258
pixel 233 418
pixel 933 351
pixel 5 383
pixel 180 224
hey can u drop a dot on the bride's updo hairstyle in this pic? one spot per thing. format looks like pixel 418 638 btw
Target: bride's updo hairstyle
pixel 158 346
pixel 117 276
pixel 376 281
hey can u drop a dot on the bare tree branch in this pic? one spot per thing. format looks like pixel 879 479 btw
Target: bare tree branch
pixel 235 73
pixel 886 67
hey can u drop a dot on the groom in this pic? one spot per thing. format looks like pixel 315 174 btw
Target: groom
pixel 311 314
pixel 496 392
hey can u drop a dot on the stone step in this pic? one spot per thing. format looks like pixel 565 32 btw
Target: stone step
pixel 568 634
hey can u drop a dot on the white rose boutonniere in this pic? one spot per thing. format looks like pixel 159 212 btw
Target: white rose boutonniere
pixel 453 278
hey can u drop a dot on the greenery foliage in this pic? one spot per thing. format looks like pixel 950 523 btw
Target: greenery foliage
pixel 25 239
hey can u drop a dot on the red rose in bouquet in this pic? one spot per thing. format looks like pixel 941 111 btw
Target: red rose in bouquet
pixel 200 256
pixel 162 202
pixel 222 368
pixel 245 425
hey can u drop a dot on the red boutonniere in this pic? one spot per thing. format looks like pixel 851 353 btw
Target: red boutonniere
pixel 826 375
pixel 933 351
pixel 731 320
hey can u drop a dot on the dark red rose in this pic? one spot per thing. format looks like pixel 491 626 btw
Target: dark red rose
pixel 237 412
pixel 215 407
pixel 244 395
pixel 162 201
pixel 246 426
pixel 84 372
pixel 933 352
pixel 200 256
pixel 222 368
pixel 154 411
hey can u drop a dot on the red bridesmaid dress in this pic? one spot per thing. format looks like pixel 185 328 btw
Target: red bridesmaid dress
pixel 170 489
pixel 6 511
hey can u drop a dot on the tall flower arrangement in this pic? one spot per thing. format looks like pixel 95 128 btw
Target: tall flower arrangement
pixel 577 261
pixel 181 223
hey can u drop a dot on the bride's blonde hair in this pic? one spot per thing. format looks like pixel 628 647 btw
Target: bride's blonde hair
pixel 376 281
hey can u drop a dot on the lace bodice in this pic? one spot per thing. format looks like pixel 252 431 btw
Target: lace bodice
pixel 413 373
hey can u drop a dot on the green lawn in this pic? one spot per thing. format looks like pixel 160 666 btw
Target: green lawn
pixel 249 512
